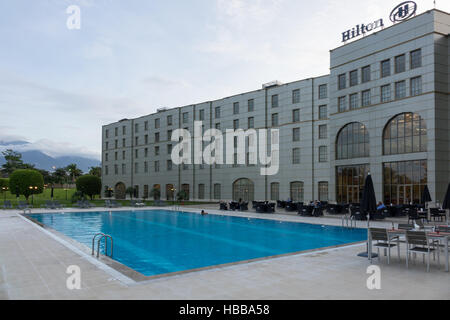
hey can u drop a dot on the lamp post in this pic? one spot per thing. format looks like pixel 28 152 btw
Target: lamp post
pixel 65 189
pixel 33 189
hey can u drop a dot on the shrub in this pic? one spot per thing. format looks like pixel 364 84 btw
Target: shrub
pixel 182 195
pixel 78 196
pixel 21 180
pixel 130 191
pixel 156 193
pixel 89 185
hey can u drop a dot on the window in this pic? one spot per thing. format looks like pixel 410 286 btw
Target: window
pixel 350 183
pixel 296 115
pixel 124 169
pixel 169 165
pixel 400 89
pixel 342 104
pixel 169 120
pixel 400 63
pixel 405 133
pixel 251 105
pixel 156 136
pixel 136 141
pixel 116 157
pixel 323 191
pixel 136 127
pixel 416 86
pixel 385 68
pixel 136 153
pixel 352 141
pixel 236 124
pixel 106 145
pixel 124 130
pixel 185 117
pixel 275 101
pixel 296 96
pixel 353 101
pixel 157 123
pixel 169 135
pixel 365 74
pixel 365 98
pixel 296 191
pixel 136 167
pixel 106 156
pixel 323 91
pixel 201 191
pixel 157 151
pixel 116 144
pixel 169 149
pixel 323 154
pixel 296 155
pixel 156 166
pixel 106 133
pixel 106 170
pixel 386 93
pixel 296 134
pixel 146 125
pixel 116 131
pixel 217 112
pixel 323 131
pixel 145 195
pixel 274 119
pixel 236 108
pixel 145 166
pixel 341 81
pixel 116 169
pixel 146 152
pixel 123 155
pixel 146 139
pixel 416 59
pixel 201 115
pixel 353 78
pixel 323 112
pixel 217 190
pixel 275 191
pixel 123 142
pixel 251 122
pixel 217 126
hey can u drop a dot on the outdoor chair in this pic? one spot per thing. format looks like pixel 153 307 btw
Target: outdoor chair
pixel 48 205
pixel 136 203
pixel 418 242
pixel 57 204
pixel 23 205
pixel 243 206
pixel 436 214
pixel 383 240
pixel 107 203
pixel 114 204
pixel 223 206
pixel 234 205
pixel 291 206
pixel 355 213
pixel 413 215
pixel 7 204
pixel 443 229
pixel 306 211
pixel 378 215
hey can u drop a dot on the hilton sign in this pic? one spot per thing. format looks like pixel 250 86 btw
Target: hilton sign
pixel 401 12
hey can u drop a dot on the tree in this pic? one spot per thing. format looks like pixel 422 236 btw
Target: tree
pixel 74 171
pixel 182 195
pixel 4 184
pixel 26 182
pixel 130 191
pixel 96 171
pixel 156 193
pixel 60 175
pixel 89 185
pixel 48 178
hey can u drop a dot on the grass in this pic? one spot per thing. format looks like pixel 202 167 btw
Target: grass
pixel 60 194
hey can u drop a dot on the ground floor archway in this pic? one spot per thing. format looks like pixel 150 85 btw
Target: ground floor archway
pixel 119 191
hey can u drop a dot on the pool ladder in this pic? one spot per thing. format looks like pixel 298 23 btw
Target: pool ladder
pixel 347 221
pixel 106 237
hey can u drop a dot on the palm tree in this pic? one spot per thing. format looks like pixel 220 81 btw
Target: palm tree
pixel 74 171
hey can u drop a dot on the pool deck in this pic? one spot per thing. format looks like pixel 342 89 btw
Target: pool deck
pixel 33 264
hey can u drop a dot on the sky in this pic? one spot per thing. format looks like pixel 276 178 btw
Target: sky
pixel 58 86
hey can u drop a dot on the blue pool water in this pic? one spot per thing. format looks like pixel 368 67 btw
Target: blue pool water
pixel 154 242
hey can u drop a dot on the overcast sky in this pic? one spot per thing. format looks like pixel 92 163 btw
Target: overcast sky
pixel 59 86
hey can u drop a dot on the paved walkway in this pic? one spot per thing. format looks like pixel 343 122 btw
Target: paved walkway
pixel 33 265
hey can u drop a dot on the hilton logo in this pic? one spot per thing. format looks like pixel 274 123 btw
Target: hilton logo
pixel 403 11
pixel 361 29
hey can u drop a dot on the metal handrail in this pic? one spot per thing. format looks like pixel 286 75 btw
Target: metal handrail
pixel 105 236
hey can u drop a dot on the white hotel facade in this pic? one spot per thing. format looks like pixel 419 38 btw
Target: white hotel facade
pixel 384 108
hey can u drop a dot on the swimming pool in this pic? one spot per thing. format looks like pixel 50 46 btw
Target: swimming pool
pixel 155 242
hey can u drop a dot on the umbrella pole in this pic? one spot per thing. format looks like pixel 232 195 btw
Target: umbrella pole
pixel 368 253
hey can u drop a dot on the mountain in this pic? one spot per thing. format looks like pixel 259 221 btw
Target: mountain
pixel 46 162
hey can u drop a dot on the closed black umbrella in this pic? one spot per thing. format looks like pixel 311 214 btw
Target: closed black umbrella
pixel 368 205
pixel 51 195
pixel 446 203
pixel 426 197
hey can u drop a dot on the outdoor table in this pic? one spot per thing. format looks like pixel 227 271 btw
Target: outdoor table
pixel 441 236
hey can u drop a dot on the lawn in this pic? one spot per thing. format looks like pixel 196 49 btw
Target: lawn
pixel 64 197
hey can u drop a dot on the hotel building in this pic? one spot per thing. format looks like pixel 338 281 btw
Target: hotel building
pixel 383 109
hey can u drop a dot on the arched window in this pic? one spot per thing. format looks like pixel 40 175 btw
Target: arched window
pixel 243 189
pixel 405 133
pixel 352 142
pixel 296 191
pixel 275 191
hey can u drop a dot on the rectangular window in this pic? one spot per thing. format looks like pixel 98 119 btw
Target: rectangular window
pixel 156 166
pixel 236 108
pixel 342 104
pixel 136 141
pixel 123 155
pixel 169 120
pixel 123 142
pixel 323 191
pixel 106 170
pixel 116 156
pixel 353 78
pixel 323 112
pixel 251 105
pixel 386 93
pixel 296 134
pixel 136 167
pixel 217 126
pixel 169 165
pixel 416 86
pixel 296 115
pixel 296 156
pixel 416 59
pixel 124 169
pixel 185 117
pixel 275 101
pixel 157 151
pixel 251 122
pixel 169 135
pixel 296 96
pixel 145 167
pixel 146 125
pixel 106 145
pixel 236 124
pixel 400 63
pixel 124 130
pixel 217 188
pixel 116 144
pixel 274 119
pixel 156 136
pixel 106 133
pixel 136 127
pixel 353 101
pixel 323 91
pixel 323 131
pixel 106 156
pixel 365 74
pixel 146 139
pixel 169 149
pixel 341 81
pixel 116 169
pixel 385 68
pixel 146 152
pixel 157 123
pixel 400 89
pixel 201 191
pixel 365 98
pixel 323 154
pixel 136 153
pixel 217 112
pixel 116 131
